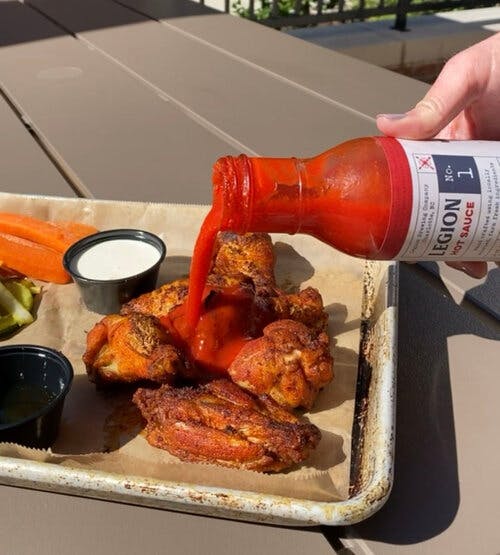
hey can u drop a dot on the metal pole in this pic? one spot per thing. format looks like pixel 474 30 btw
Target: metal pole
pixel 401 12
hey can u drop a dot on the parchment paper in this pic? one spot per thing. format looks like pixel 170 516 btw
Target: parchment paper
pixel 102 429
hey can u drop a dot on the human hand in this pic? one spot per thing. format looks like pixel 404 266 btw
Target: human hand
pixel 462 104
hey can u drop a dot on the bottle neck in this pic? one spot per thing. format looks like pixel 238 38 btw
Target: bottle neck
pixel 259 194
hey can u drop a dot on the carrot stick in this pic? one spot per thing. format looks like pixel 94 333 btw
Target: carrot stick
pixel 49 234
pixel 32 259
pixel 78 229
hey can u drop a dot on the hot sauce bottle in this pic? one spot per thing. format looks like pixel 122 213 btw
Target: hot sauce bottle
pixel 374 197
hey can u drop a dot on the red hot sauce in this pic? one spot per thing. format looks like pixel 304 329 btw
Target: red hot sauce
pixel 375 197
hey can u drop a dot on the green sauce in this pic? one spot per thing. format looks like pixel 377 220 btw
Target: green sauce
pixel 20 400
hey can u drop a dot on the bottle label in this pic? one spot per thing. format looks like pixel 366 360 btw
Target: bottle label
pixel 456 200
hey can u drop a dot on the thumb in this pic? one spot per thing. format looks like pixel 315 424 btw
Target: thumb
pixel 424 121
pixel 460 83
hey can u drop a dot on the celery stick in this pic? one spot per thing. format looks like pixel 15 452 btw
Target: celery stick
pixel 21 293
pixel 7 324
pixel 35 289
pixel 14 307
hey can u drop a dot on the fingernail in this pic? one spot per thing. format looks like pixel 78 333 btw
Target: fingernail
pixel 392 116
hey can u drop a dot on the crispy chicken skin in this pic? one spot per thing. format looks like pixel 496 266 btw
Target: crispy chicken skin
pixel 243 258
pixel 306 307
pixel 219 423
pixel 130 348
pixel 290 363
pixel 160 301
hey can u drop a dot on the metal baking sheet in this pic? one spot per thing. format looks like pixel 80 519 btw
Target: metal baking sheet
pixel 372 443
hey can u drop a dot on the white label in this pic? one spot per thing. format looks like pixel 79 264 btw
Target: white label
pixel 456 201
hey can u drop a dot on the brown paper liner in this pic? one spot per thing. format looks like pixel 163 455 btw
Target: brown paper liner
pixel 101 430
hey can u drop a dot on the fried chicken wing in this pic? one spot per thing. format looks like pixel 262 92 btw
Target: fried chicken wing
pixel 237 258
pixel 240 258
pixel 160 301
pixel 131 348
pixel 221 424
pixel 290 363
pixel 306 307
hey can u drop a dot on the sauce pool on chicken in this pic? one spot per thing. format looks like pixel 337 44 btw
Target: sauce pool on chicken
pixel 229 319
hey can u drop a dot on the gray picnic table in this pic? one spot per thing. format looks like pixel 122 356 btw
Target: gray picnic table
pixel 134 100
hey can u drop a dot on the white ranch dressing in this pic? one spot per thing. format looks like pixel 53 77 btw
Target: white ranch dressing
pixel 116 259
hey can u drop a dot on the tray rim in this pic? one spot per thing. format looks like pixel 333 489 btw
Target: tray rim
pixel 243 505
pixel 234 503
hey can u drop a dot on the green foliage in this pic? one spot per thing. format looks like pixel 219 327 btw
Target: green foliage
pixel 263 8
pixel 285 7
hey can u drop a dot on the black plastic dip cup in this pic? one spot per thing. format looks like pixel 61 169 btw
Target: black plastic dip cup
pixel 34 381
pixel 106 295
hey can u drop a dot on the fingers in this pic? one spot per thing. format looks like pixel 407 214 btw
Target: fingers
pixel 422 122
pixel 459 84
pixel 473 269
